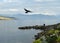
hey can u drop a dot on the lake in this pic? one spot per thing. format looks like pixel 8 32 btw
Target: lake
pixel 9 32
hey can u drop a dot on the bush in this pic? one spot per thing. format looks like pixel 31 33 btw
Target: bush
pixel 37 41
pixel 51 36
pixel 51 39
pixel 58 39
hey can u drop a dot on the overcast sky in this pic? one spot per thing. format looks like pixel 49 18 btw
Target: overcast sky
pixel 46 7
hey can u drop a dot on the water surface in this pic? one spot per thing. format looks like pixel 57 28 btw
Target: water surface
pixel 9 32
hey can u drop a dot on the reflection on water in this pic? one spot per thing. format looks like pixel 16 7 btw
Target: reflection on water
pixel 9 32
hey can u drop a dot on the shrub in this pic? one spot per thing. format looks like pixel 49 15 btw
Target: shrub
pixel 37 41
pixel 58 39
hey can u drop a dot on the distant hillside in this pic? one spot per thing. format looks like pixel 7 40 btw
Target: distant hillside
pixel 35 18
pixel 38 18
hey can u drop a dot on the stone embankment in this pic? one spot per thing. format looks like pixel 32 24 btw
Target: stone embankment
pixel 42 27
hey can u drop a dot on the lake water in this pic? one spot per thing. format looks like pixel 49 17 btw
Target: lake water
pixel 9 32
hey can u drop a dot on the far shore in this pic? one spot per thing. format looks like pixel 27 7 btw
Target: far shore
pixel 5 18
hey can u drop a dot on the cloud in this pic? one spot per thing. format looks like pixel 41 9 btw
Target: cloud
pixel 8 10
pixel 13 9
pixel 10 0
pixel 44 12
pixel 48 12
pixel 43 0
pixel 17 6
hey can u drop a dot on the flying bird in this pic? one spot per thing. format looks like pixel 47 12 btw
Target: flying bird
pixel 27 11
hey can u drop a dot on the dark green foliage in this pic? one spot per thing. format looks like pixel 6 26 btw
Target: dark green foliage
pixel 58 28
pixel 52 39
pixel 58 39
pixel 37 41
pixel 51 36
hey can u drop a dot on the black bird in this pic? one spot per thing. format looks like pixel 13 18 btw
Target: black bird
pixel 27 11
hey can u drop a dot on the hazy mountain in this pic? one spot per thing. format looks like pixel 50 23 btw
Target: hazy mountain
pixel 35 18
pixel 38 18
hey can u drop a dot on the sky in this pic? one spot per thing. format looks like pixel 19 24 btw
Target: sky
pixel 46 7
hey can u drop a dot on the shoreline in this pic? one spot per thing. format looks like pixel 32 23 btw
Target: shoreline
pixel 42 27
pixel 5 18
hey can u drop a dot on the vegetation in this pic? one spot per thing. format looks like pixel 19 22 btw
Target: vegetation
pixel 51 36
pixel 37 41
pixel 58 39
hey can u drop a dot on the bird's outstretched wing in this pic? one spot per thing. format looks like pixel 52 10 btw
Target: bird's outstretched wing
pixel 25 9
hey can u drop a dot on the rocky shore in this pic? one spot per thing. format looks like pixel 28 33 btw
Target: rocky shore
pixel 50 33
pixel 42 27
